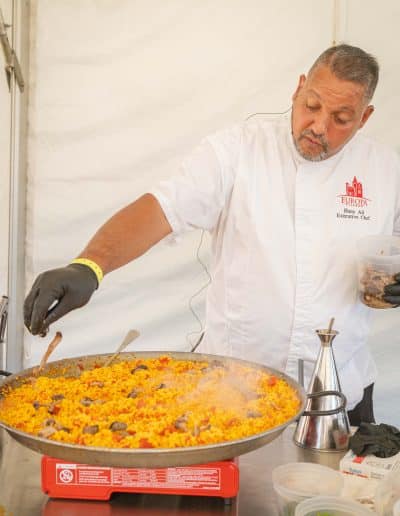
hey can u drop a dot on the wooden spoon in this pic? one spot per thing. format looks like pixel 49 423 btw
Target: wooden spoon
pixel 53 344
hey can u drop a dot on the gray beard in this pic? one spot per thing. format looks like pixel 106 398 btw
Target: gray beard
pixel 319 157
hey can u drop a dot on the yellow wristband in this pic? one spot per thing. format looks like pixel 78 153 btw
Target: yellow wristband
pixel 92 265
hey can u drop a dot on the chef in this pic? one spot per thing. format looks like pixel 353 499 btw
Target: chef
pixel 285 200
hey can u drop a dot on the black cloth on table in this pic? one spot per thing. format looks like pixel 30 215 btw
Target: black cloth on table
pixel 380 440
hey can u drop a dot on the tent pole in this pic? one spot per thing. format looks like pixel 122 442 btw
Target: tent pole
pixel 18 144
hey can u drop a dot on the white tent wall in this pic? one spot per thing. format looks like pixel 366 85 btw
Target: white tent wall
pixel 121 91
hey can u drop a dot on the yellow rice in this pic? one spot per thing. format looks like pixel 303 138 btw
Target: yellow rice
pixel 176 403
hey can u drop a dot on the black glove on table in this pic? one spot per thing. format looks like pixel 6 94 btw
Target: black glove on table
pixel 69 287
pixel 379 440
pixel 392 291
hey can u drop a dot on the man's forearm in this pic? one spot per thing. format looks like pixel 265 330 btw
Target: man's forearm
pixel 128 234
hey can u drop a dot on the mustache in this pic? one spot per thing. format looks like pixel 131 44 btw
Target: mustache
pixel 320 139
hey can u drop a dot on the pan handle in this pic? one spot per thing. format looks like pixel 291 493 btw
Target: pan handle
pixel 4 373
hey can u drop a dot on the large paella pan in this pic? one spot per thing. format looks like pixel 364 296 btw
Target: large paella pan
pixel 145 457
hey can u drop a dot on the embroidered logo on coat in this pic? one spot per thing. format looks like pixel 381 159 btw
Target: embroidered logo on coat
pixel 354 195
pixel 353 202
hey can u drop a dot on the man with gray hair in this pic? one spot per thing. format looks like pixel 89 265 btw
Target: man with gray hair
pixel 346 66
pixel 285 200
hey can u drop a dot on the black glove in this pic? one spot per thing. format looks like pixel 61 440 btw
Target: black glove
pixel 69 287
pixel 392 291
pixel 381 440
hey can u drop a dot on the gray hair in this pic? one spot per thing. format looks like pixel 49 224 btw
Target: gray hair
pixel 351 64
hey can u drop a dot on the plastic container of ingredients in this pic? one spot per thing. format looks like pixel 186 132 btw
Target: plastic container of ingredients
pixel 387 494
pixel 378 262
pixel 331 506
pixel 297 481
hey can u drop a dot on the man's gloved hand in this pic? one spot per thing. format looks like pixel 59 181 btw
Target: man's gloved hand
pixel 69 287
pixel 392 291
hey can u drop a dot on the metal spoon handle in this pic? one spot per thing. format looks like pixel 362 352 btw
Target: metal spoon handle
pixel 129 337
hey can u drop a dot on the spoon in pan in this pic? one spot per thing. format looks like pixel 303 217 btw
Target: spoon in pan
pixel 53 344
pixel 129 337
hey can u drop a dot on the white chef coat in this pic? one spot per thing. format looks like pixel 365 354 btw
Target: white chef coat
pixel 284 234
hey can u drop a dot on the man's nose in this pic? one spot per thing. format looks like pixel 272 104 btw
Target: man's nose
pixel 320 124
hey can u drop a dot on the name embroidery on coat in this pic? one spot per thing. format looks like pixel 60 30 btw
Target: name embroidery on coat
pixel 353 202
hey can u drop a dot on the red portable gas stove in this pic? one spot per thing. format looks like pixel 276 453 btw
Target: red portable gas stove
pixel 80 481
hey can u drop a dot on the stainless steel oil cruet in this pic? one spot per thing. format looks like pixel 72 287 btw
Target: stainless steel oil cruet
pixel 324 424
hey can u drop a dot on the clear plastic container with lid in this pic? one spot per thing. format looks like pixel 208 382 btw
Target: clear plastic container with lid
pixel 331 506
pixel 297 481
pixel 378 262
pixel 387 494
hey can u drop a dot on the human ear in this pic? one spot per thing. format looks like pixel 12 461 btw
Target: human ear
pixel 367 113
pixel 302 80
